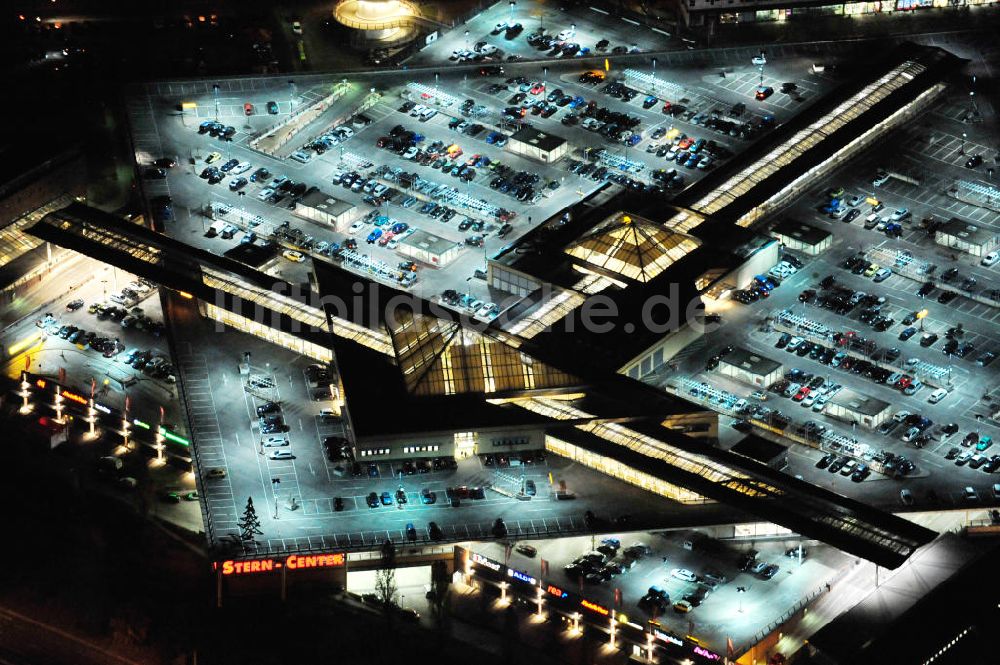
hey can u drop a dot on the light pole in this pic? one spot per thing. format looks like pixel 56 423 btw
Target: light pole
pixel 291 96
pixel 215 94
pixel 510 20
pixel 466 40
pixel 961 149
pixel 740 590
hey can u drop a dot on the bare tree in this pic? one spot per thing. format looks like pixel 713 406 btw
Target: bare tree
pixel 385 578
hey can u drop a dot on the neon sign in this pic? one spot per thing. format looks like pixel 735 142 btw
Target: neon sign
pixel 483 561
pixel 705 653
pixel 523 577
pixel 292 562
pixel 73 397
pixel 170 436
pixel 556 591
pixel 102 408
pixel 40 383
pixel 594 607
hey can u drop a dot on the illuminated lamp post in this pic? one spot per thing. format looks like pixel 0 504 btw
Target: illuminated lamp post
pixel 649 647
pixel 503 592
pixel 540 600
pixel 921 315
pixel 91 416
pixel 25 392
pixel 59 406
pixel 466 40
pixel 512 5
pixel 961 149
pixel 576 622
pixel 215 94
pixel 614 632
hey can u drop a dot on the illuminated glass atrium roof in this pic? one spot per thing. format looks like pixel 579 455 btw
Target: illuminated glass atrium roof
pixel 633 247
pixel 439 357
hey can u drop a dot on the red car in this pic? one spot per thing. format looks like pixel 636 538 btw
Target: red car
pixel 471 161
pixel 537 88
pixel 386 237
pixel 666 107
pixel 248 108
pixel 802 394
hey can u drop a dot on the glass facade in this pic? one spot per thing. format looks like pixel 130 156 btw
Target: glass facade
pixel 264 331
pixel 622 472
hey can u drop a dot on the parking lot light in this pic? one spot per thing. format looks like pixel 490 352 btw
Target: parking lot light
pixel 503 593
pixel 921 315
pixel 614 632
pixel 540 600
pixel 649 647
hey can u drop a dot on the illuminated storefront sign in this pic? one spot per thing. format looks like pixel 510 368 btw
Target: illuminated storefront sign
pixel 292 562
pixel 483 561
pixel 170 436
pixel 523 577
pixel 556 591
pixel 667 637
pixel 102 408
pixel 594 607
pixel 705 653
pixel 73 397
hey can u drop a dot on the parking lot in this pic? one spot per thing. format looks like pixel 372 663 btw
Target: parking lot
pixel 684 564
pixel 584 27
pixel 943 339
pixel 452 173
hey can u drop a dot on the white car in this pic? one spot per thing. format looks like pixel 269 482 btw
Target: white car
pixel 990 259
pixel 683 574
pixel 900 214
pixel 344 131
pixel 486 311
pixel 242 167
pixel 417 110
pixel 265 193
pixel 488 49
pixel 280 454
pixel 855 201
pixel 565 34
pixel 880 178
pixel 759 60
pixel 410 153
pixel 275 442
pixel 355 227
pixel 301 156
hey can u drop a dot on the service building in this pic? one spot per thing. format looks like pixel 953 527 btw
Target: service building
pixel 854 407
pixel 325 209
pixel 966 237
pixel 748 367
pixel 429 248
pixel 802 237
pixel 541 146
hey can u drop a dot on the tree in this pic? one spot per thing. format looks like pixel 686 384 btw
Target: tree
pixel 385 578
pixel 441 594
pixel 249 525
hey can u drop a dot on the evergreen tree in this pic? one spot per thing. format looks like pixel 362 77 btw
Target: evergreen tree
pixel 249 524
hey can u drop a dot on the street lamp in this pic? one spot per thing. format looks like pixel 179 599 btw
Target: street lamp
pixel 921 315
pixel 740 590
pixel 215 93
pixel 961 150
pixel 512 5
pixel 466 40
pixel 291 96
